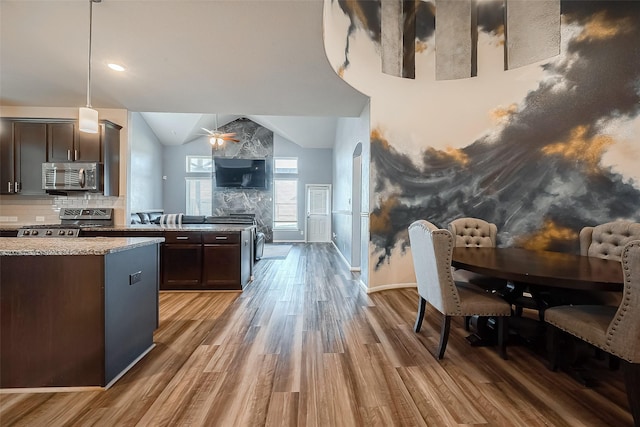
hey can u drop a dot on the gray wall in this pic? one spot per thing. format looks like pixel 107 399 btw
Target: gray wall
pixel 315 166
pixel 175 171
pixel 146 167
pixel 349 133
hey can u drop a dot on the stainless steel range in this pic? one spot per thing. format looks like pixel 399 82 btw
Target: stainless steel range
pixel 72 220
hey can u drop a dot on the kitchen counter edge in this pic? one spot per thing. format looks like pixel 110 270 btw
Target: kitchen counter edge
pixel 30 246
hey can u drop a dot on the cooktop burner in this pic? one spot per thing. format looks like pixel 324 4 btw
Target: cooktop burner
pixel 53 230
pixel 72 221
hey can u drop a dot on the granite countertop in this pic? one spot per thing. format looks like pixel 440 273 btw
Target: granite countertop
pixel 152 227
pixel 183 227
pixel 16 246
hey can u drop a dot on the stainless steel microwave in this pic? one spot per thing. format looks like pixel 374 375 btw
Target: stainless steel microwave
pixel 72 176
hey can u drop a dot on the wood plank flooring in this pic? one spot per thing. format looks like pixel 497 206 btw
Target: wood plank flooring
pixel 303 345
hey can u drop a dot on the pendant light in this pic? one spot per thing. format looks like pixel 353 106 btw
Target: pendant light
pixel 88 117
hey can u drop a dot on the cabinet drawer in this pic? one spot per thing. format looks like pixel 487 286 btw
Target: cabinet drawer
pixel 221 238
pixel 183 237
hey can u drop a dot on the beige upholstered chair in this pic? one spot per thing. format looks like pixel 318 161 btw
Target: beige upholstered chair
pixel 606 241
pixel 615 330
pixel 431 249
pixel 475 232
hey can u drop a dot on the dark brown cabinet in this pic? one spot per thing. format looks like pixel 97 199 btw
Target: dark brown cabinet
pixel 27 143
pixel 23 150
pixel 66 144
pixel 222 256
pixel 206 260
pixel 181 260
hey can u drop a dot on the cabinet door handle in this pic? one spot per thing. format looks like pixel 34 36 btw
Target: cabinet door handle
pixel 182 238
pixel 10 186
pixel 75 155
pixel 16 185
pixel 221 237
pixel 69 155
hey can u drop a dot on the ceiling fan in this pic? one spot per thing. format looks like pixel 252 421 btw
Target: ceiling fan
pixel 217 138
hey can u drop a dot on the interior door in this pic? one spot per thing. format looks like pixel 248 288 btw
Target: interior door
pixel 318 201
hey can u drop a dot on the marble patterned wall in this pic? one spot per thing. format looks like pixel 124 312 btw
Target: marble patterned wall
pixel 256 142
pixel 542 150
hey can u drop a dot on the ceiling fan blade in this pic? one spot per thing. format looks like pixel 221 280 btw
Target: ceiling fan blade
pixel 232 139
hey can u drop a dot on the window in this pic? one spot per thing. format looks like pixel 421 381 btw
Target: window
pixel 285 193
pixel 199 164
pixel 198 185
pixel 285 165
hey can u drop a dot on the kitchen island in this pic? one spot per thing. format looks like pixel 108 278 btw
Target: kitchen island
pixel 210 257
pixel 75 312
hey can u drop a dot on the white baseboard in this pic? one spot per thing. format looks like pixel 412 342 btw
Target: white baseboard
pixel 288 241
pixel 391 286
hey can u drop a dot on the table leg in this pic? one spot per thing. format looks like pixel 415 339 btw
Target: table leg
pixel 632 383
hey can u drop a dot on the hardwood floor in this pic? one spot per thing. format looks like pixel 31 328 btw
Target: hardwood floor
pixel 304 345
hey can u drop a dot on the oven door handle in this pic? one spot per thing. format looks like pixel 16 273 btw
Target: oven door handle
pixel 82 178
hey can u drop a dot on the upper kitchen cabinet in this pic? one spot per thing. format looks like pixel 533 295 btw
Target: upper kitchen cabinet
pixel 23 150
pixel 27 143
pixel 67 144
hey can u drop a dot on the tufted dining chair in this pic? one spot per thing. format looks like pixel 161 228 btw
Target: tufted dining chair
pixel 432 249
pixel 475 232
pixel 615 330
pixel 606 241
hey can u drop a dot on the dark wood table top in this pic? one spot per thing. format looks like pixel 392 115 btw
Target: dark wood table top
pixel 553 269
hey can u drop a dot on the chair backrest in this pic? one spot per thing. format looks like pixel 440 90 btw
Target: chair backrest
pixel 473 232
pixel 623 334
pixel 431 249
pixel 607 240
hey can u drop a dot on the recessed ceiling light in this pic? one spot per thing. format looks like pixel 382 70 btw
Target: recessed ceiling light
pixel 116 67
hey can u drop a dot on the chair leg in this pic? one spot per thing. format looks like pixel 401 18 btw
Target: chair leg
pixel 444 336
pixel 554 340
pixel 632 383
pixel 503 336
pixel 467 323
pixel 614 362
pixel 422 305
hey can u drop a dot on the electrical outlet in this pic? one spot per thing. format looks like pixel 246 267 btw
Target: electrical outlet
pixel 39 219
pixel 135 277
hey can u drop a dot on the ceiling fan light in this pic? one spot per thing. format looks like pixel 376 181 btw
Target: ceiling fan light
pixel 88 120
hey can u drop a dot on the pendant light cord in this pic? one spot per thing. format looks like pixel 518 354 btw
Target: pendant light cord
pixel 89 65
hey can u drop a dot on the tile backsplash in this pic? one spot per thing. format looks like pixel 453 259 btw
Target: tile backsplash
pixel 27 210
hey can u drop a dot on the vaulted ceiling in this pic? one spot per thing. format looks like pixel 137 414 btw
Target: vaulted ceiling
pixel 260 59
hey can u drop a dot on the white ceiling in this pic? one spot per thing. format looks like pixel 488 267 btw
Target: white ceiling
pixel 260 59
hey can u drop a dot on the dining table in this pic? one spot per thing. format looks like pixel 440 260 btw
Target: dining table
pixel 548 278
pixel 550 273
pixel 554 270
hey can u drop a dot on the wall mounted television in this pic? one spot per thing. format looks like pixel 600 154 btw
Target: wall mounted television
pixel 240 173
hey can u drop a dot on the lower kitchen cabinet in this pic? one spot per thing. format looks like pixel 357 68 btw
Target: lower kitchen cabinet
pixel 193 260
pixel 181 260
pixel 222 255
